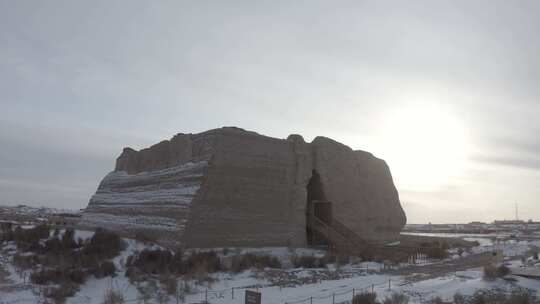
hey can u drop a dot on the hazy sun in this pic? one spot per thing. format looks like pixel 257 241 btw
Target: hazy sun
pixel 424 146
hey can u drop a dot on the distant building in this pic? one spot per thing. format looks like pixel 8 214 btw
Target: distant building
pixel 509 222
pixel 477 223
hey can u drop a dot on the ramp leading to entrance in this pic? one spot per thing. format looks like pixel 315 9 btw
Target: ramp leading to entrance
pixel 327 230
pixel 324 226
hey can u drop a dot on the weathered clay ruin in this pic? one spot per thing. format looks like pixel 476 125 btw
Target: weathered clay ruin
pixel 231 187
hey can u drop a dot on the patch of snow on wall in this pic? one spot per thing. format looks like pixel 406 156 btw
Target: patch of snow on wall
pixel 122 222
pixel 156 200
pixel 174 187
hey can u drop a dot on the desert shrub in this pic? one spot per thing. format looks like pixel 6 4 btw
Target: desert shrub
pixel 503 271
pixel 459 299
pixel 517 296
pixel 207 262
pixel 201 277
pixel 68 239
pixel 182 290
pixel 60 293
pixel 327 259
pixel 249 260
pixel 52 245
pixel 365 298
pixel 6 232
pixel 113 296
pixel 134 275
pixel 28 239
pixel 161 297
pixel 58 245
pixel 25 261
pixel 43 277
pixel 340 260
pixel 179 295
pixel 77 276
pixel 186 287
pixel 64 262
pixel 105 269
pixel 177 262
pixel 306 261
pixel 61 254
pixel 151 261
pixel 368 254
pixel 147 291
pixel 144 238
pixel 492 272
pixel 104 244
pixel 480 298
pixel 266 261
pixel 436 300
pixel 108 268
pixel 164 262
pixel 436 253
pixel 6 227
pixel 56 276
pixel 169 283
pixel 396 298
pixel 309 261
pixel 522 296
pixel 444 245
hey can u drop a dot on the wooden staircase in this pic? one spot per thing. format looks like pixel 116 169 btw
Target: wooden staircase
pixel 338 241
pixel 338 235
pixel 344 241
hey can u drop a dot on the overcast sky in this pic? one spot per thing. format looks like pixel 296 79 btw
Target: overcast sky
pixel 80 80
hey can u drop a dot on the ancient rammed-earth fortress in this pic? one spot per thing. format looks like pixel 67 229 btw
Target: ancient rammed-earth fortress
pixel 231 187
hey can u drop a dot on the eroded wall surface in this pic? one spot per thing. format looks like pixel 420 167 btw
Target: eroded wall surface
pixel 251 196
pixel 361 189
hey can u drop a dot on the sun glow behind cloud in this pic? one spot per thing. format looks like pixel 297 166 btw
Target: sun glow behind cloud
pixel 426 147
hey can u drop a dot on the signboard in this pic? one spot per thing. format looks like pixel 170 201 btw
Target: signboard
pixel 252 297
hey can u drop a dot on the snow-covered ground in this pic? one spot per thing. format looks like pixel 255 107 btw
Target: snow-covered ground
pixel 35 211
pixel 229 288
pixel 94 289
pixel 509 248
pixel 221 292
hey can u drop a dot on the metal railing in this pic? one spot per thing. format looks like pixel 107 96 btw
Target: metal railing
pixel 349 294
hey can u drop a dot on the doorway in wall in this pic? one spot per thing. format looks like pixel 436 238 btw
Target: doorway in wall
pixel 316 206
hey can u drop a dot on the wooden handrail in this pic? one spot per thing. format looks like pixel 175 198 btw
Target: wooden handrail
pixel 335 237
pixel 347 232
pixel 346 240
